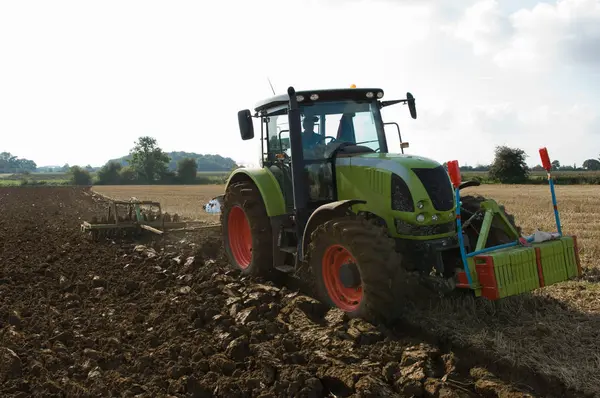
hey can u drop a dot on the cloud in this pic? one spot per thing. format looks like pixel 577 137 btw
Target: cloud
pixel 483 25
pixel 566 32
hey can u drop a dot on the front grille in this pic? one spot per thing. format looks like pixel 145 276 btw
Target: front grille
pixel 406 229
pixel 438 187
pixel 401 198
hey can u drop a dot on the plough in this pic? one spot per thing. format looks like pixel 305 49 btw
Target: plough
pixel 133 217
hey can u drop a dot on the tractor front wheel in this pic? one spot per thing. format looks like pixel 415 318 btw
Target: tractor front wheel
pixel 246 229
pixel 355 268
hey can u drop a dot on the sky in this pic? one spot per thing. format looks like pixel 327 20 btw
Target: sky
pixel 80 81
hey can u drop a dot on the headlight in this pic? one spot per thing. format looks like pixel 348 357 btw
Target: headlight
pixel 421 217
pixel 420 204
pixel 401 197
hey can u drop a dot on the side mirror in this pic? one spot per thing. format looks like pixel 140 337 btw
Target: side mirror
pixel 246 126
pixel 411 105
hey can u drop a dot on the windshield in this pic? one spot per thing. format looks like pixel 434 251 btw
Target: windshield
pixel 343 121
pixel 328 122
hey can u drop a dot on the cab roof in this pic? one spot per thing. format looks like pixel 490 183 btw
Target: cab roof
pixel 338 94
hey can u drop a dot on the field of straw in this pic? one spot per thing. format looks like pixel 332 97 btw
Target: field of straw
pixel 186 200
pixel 579 207
pixel 554 332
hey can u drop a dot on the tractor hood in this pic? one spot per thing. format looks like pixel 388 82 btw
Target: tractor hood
pixel 396 163
pixel 415 177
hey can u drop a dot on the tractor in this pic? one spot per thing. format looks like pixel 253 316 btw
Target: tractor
pixel 333 206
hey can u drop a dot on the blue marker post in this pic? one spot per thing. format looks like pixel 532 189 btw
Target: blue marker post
pixel 548 166
pixel 455 177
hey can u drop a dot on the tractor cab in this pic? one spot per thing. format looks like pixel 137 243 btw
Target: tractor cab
pixel 333 124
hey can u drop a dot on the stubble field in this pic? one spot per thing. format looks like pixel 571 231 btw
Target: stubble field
pixel 167 317
pixel 185 200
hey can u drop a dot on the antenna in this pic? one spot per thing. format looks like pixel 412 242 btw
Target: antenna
pixel 272 89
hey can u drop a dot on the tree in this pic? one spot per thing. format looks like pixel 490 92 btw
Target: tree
pixel 555 165
pixel 187 168
pixel 127 175
pixel 109 174
pixel 7 162
pixel 80 176
pixel 591 164
pixel 509 165
pixel 11 164
pixel 148 160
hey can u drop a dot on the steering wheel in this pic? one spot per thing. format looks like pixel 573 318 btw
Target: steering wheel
pixel 323 138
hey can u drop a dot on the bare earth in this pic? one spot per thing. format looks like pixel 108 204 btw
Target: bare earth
pixel 166 317
pixel 545 342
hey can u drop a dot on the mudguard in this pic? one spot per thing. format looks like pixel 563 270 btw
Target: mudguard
pixel 267 185
pixel 323 213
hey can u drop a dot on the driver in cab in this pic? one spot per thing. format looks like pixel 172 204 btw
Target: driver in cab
pixel 312 145
pixel 310 139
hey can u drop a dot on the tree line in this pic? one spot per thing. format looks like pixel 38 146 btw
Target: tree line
pixel 587 165
pixel 147 163
pixel 509 167
pixel 9 164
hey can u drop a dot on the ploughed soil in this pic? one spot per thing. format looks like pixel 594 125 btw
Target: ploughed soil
pixel 168 317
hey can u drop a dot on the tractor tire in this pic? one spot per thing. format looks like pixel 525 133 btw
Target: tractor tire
pixel 246 229
pixel 472 204
pixel 373 288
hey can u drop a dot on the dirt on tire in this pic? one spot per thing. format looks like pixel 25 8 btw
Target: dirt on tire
pixel 168 317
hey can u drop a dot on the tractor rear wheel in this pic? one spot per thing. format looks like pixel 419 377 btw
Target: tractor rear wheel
pixel 471 205
pixel 246 229
pixel 355 268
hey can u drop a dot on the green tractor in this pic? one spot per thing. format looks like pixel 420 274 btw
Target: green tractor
pixel 336 208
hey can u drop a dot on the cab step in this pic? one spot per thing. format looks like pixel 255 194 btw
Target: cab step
pixel 285 268
pixel 289 249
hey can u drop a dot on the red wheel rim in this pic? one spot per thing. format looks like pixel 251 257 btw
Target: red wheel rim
pixel 345 298
pixel 240 237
